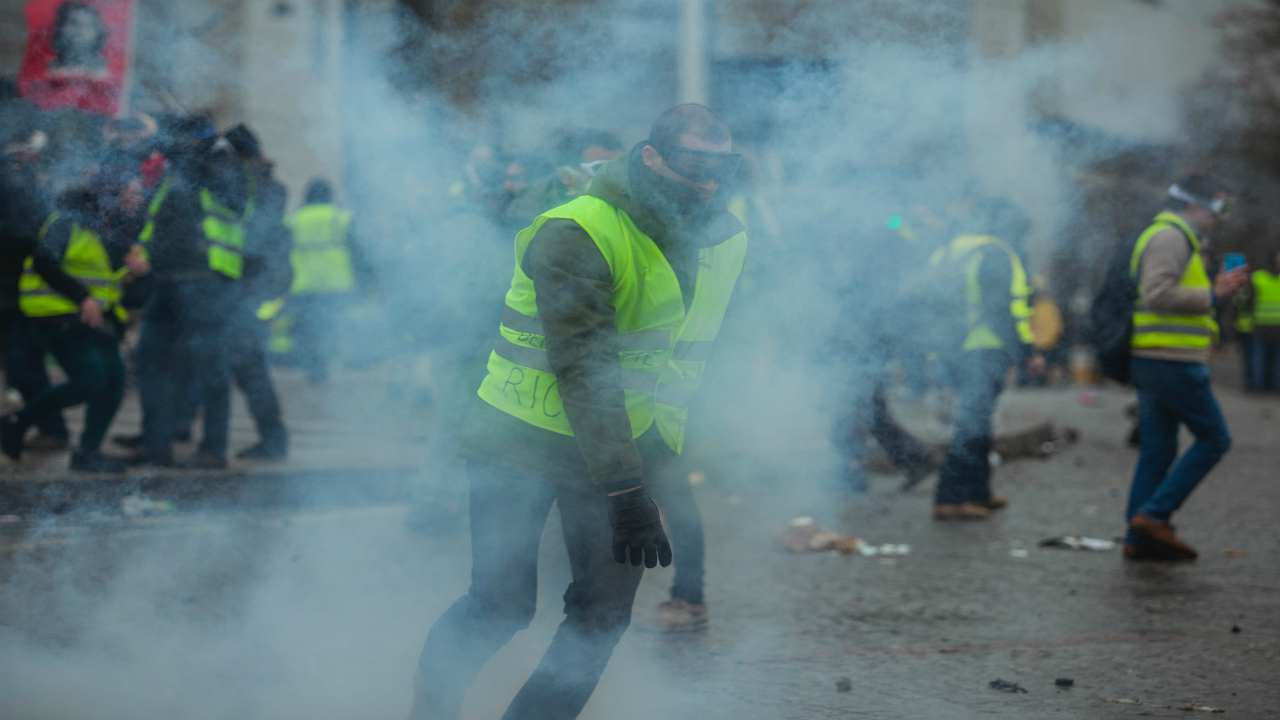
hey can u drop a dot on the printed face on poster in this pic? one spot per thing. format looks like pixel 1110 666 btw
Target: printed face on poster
pixel 78 54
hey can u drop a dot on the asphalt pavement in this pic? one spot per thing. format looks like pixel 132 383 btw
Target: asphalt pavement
pixel 318 610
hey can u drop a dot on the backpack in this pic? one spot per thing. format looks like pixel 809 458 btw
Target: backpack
pixel 1111 316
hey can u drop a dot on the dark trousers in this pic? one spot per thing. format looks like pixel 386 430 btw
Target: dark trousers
pixel 1266 363
pixel 508 511
pixel 1247 360
pixel 184 345
pixel 1171 394
pixel 965 475
pixel 247 341
pixel 95 376
pixel 25 372
pixel 317 326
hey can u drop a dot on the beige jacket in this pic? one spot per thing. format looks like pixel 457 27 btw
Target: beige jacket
pixel 1159 274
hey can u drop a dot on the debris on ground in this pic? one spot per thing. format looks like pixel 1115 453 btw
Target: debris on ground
pixel 1124 701
pixel 803 535
pixel 1078 542
pixel 1039 441
pixel 844 684
pixel 1201 708
pixel 1006 686
pixel 697 477
pixel 139 505
pixel 1064 682
pixel 1233 553
pixel 1235 630
pixel 1019 553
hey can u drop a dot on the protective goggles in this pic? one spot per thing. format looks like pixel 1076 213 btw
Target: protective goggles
pixel 1220 206
pixel 701 165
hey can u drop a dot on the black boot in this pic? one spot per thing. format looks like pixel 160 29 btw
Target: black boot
pixel 93 461
pixel 128 442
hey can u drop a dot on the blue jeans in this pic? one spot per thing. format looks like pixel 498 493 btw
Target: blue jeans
pixel 1171 394
pixel 1265 365
pixel 965 475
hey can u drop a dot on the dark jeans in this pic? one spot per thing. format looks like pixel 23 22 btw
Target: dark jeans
pixel 25 372
pixel 1266 365
pixel 508 511
pixel 1172 394
pixel 95 376
pixel 1247 361
pixel 668 481
pixel 965 475
pixel 317 326
pixel 184 345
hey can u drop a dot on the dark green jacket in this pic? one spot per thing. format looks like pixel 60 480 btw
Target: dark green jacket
pixel 574 295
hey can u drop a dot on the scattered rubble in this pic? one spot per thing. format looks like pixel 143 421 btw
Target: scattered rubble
pixel 844 685
pixel 1064 682
pixel 139 505
pixel 1006 686
pixel 803 535
pixel 1078 542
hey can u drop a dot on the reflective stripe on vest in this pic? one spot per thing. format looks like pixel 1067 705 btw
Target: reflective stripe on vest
pixel 1244 315
pixel 969 249
pixel 1266 298
pixel 86 260
pixel 321 254
pixel 223 230
pixel 1152 330
pixel 650 318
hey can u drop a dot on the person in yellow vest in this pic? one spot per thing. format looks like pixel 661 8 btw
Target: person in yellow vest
pixel 1173 332
pixel 72 290
pixel 195 239
pixel 1264 306
pixel 327 270
pixel 997 337
pixel 616 299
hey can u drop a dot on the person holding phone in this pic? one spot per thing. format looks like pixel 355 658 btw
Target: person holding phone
pixel 1173 332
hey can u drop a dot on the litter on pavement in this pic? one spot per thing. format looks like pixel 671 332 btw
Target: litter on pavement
pixel 1006 686
pixel 803 535
pixel 139 505
pixel 1078 542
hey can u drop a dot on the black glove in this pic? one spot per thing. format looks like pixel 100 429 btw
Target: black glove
pixel 637 529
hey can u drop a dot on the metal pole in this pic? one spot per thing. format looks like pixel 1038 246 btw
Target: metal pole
pixel 692 61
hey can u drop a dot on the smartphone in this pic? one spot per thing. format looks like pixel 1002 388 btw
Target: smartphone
pixel 1232 261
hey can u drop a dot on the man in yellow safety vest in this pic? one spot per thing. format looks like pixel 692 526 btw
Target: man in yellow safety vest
pixel 1264 311
pixel 615 303
pixel 1174 330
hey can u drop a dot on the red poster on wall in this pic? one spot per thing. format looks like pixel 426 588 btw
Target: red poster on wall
pixel 78 54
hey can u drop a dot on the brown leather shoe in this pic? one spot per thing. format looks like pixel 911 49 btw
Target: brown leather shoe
pixel 960 511
pixel 995 502
pixel 1161 534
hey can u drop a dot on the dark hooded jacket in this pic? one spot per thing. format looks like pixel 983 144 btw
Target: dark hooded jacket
pixel 574 295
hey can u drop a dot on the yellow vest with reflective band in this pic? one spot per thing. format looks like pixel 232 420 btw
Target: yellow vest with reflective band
pixel 1153 330
pixel 86 260
pixel 968 250
pixel 1244 316
pixel 662 349
pixel 1266 298
pixel 321 257
pixel 223 230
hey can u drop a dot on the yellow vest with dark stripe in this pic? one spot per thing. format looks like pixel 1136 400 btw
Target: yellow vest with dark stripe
pixel 1154 330
pixel 662 349
pixel 967 249
pixel 223 230
pixel 321 257
pixel 1266 298
pixel 86 260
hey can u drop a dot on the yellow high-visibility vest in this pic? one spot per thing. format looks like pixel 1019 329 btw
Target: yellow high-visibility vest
pixel 223 230
pixel 86 260
pixel 321 254
pixel 1266 298
pixel 1164 330
pixel 967 249
pixel 662 348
